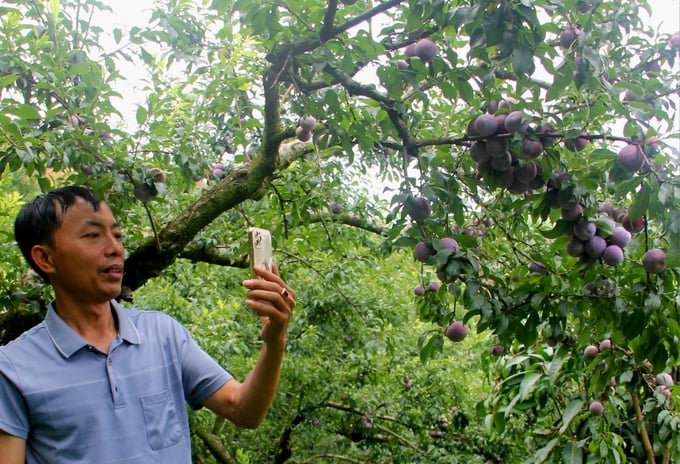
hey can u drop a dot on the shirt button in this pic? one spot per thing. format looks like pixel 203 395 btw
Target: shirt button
pixel 90 348
pixel 109 361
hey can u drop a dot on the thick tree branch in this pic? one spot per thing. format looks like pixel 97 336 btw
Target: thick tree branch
pixel 646 442
pixel 216 447
pixel 247 182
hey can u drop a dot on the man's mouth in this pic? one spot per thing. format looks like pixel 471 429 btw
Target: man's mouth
pixel 116 269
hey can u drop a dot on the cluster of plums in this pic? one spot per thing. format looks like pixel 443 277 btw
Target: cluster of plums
pixel 501 161
pixel 304 130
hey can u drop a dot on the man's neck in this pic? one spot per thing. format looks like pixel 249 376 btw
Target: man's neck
pixel 95 323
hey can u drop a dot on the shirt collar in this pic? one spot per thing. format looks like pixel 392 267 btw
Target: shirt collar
pixel 67 340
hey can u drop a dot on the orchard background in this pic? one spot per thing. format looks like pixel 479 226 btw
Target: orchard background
pixel 477 203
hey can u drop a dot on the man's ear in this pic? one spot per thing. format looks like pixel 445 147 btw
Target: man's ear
pixel 42 258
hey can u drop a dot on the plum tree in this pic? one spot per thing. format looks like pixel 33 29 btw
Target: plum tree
pixel 506 112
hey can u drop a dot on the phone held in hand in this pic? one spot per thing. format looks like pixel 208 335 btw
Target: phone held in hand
pixel 260 249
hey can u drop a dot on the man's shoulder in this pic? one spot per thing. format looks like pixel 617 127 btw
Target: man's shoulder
pixel 36 334
pixel 150 317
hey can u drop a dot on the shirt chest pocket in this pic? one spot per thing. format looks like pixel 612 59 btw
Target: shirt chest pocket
pixel 162 422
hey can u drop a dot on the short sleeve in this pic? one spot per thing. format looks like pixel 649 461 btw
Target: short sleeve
pixel 14 417
pixel 201 374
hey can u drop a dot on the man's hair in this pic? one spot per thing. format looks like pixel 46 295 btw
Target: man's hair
pixel 39 218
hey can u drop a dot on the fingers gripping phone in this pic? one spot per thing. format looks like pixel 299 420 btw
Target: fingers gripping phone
pixel 260 249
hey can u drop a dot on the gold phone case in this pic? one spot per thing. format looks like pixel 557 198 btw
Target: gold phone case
pixel 260 249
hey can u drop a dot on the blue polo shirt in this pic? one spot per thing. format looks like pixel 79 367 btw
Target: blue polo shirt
pixel 74 404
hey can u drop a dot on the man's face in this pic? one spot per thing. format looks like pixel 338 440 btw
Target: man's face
pixel 87 254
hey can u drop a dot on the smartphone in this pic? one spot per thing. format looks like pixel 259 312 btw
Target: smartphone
pixel 260 249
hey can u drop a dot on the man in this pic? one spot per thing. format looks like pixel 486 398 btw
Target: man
pixel 95 383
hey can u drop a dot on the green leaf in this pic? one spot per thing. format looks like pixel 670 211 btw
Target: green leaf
pixel 528 384
pixel 543 453
pixel 572 453
pixel 561 227
pixel 640 203
pixel 554 370
pixel 141 115
pixel 571 411
pixel 23 111
pixel 522 59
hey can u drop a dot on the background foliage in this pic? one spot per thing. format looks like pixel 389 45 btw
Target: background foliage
pixel 370 375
